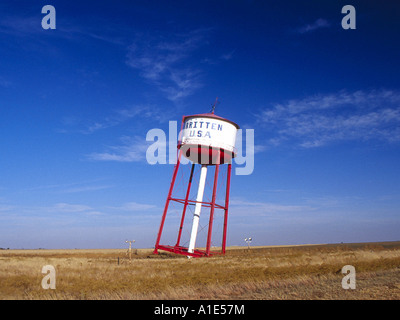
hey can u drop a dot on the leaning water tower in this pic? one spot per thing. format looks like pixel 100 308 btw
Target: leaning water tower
pixel 206 140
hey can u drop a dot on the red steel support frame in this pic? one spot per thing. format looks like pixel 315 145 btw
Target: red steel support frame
pixel 178 249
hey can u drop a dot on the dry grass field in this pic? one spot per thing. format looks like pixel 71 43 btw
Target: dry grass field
pixel 289 272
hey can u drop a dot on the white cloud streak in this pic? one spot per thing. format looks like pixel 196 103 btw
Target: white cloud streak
pixel 132 149
pixel 115 118
pixel 74 187
pixel 317 24
pixel 58 209
pixel 20 26
pixel 134 206
pixel 122 115
pixel 5 83
pixel 87 189
pixel 244 207
pixel 67 212
pixel 322 119
pixel 164 62
pixel 66 207
pixel 29 26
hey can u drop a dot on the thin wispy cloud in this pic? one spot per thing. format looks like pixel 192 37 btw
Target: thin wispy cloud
pixel 343 116
pixel 122 115
pixel 5 208
pixel 4 82
pixel 317 24
pixel 245 207
pixel 65 211
pixel 163 62
pixel 228 56
pixel 73 187
pixel 66 207
pixel 55 210
pixel 131 149
pixel 29 26
pixel 134 206
pixel 115 118
pixel 87 188
pixel 20 26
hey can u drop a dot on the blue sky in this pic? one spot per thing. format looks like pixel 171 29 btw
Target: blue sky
pixel 77 102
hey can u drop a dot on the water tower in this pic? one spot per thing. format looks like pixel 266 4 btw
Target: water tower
pixel 206 140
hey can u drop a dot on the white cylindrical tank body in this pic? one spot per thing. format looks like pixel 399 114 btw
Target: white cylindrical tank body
pixel 204 136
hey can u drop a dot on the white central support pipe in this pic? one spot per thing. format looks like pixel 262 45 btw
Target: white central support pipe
pixel 197 209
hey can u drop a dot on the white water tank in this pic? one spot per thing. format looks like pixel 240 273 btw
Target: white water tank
pixel 205 136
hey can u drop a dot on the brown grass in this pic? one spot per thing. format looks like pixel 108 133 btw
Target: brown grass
pixel 296 272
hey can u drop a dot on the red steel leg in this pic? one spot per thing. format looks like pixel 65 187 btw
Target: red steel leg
pixel 212 206
pixel 228 183
pixel 185 206
pixel 171 187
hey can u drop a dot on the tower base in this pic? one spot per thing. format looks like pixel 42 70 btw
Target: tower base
pixel 197 253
